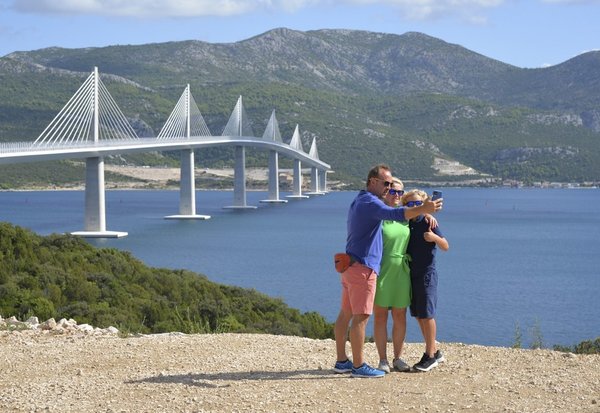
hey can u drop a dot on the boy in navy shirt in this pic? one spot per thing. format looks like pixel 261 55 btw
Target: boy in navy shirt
pixel 422 246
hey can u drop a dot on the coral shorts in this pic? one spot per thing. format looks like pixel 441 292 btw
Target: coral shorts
pixel 358 289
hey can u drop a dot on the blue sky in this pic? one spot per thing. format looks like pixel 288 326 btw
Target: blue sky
pixel 524 33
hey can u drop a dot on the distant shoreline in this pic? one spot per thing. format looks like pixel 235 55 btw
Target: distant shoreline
pixel 166 178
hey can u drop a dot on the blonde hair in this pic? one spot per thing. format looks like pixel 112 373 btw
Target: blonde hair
pixel 397 181
pixel 421 194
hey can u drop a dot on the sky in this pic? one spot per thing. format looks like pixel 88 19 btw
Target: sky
pixel 523 33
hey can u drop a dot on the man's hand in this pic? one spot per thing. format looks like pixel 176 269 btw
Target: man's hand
pixel 431 207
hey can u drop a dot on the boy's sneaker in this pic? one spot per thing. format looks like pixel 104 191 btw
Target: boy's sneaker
pixel 343 366
pixel 426 363
pixel 367 372
pixel 401 365
pixel 439 357
pixel 384 366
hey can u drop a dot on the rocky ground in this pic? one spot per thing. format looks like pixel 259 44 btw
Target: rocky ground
pixel 63 367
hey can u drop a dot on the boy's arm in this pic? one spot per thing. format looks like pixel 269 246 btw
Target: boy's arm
pixel 441 242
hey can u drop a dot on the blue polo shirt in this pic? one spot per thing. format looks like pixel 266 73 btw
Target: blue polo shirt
pixel 364 241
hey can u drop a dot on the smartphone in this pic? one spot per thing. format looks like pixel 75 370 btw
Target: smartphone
pixel 436 195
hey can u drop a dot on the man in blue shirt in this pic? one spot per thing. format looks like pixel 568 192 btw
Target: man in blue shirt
pixel 365 245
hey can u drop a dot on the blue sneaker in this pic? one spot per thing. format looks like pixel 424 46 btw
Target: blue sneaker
pixel 366 371
pixel 343 366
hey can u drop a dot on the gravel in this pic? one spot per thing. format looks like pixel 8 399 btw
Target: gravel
pixel 86 371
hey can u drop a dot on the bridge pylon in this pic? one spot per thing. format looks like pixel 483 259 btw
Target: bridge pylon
pixel 314 172
pixel 297 180
pixel 272 133
pixel 238 126
pixel 95 204
pixel 185 120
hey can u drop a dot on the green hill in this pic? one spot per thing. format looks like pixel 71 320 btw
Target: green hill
pixel 62 276
pixel 366 97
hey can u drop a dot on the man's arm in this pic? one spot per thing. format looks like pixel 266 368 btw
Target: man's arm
pixel 428 207
pixel 379 210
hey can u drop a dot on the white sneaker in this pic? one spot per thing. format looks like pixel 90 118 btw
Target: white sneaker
pixel 384 366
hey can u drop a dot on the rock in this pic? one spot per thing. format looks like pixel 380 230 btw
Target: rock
pixel 85 327
pixel 49 324
pixel 32 321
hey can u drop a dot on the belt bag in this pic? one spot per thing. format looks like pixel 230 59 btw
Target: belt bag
pixel 342 261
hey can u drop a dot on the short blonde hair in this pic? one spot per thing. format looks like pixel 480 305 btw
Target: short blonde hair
pixel 421 194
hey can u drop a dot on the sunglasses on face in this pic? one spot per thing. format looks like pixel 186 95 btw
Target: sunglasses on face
pixel 387 184
pixel 395 192
pixel 411 204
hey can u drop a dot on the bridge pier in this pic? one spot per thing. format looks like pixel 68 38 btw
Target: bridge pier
pixel 95 212
pixel 239 180
pixel 273 179
pixel 297 183
pixel 314 182
pixel 187 189
pixel 323 181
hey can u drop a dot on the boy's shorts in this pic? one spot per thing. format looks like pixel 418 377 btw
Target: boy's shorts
pixel 424 294
pixel 358 289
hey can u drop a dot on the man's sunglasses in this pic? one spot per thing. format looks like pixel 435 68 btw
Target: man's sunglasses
pixel 394 192
pixel 387 184
pixel 411 204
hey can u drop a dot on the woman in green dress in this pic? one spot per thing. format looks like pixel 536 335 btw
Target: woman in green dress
pixel 393 285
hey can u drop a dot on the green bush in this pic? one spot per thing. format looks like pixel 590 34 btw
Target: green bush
pixel 585 347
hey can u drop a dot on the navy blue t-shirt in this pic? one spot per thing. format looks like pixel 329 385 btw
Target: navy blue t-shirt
pixel 422 253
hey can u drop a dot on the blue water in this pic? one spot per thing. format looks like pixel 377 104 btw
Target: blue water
pixel 526 257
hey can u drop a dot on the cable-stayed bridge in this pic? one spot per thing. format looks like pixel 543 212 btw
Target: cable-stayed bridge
pixel 91 126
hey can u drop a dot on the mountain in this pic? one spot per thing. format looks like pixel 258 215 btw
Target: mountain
pixel 409 100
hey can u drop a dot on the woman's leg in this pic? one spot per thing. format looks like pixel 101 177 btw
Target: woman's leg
pixel 398 330
pixel 380 330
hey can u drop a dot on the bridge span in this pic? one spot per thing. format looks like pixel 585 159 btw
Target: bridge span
pixel 91 126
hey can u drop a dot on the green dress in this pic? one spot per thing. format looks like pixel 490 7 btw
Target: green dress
pixel 393 282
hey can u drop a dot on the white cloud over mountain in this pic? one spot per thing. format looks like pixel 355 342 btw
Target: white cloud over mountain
pixel 411 9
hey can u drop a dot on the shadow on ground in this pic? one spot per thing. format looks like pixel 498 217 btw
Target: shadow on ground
pixel 222 379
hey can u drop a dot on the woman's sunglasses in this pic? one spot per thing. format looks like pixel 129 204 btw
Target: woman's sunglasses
pixel 411 204
pixel 395 192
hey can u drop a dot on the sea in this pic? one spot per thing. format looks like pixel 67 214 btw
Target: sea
pixel 523 265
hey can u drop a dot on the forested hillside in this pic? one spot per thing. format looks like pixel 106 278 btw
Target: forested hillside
pixel 62 276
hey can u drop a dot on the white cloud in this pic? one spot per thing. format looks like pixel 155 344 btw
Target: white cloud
pixel 590 2
pixel 411 9
pixel 140 8
pixel 469 10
